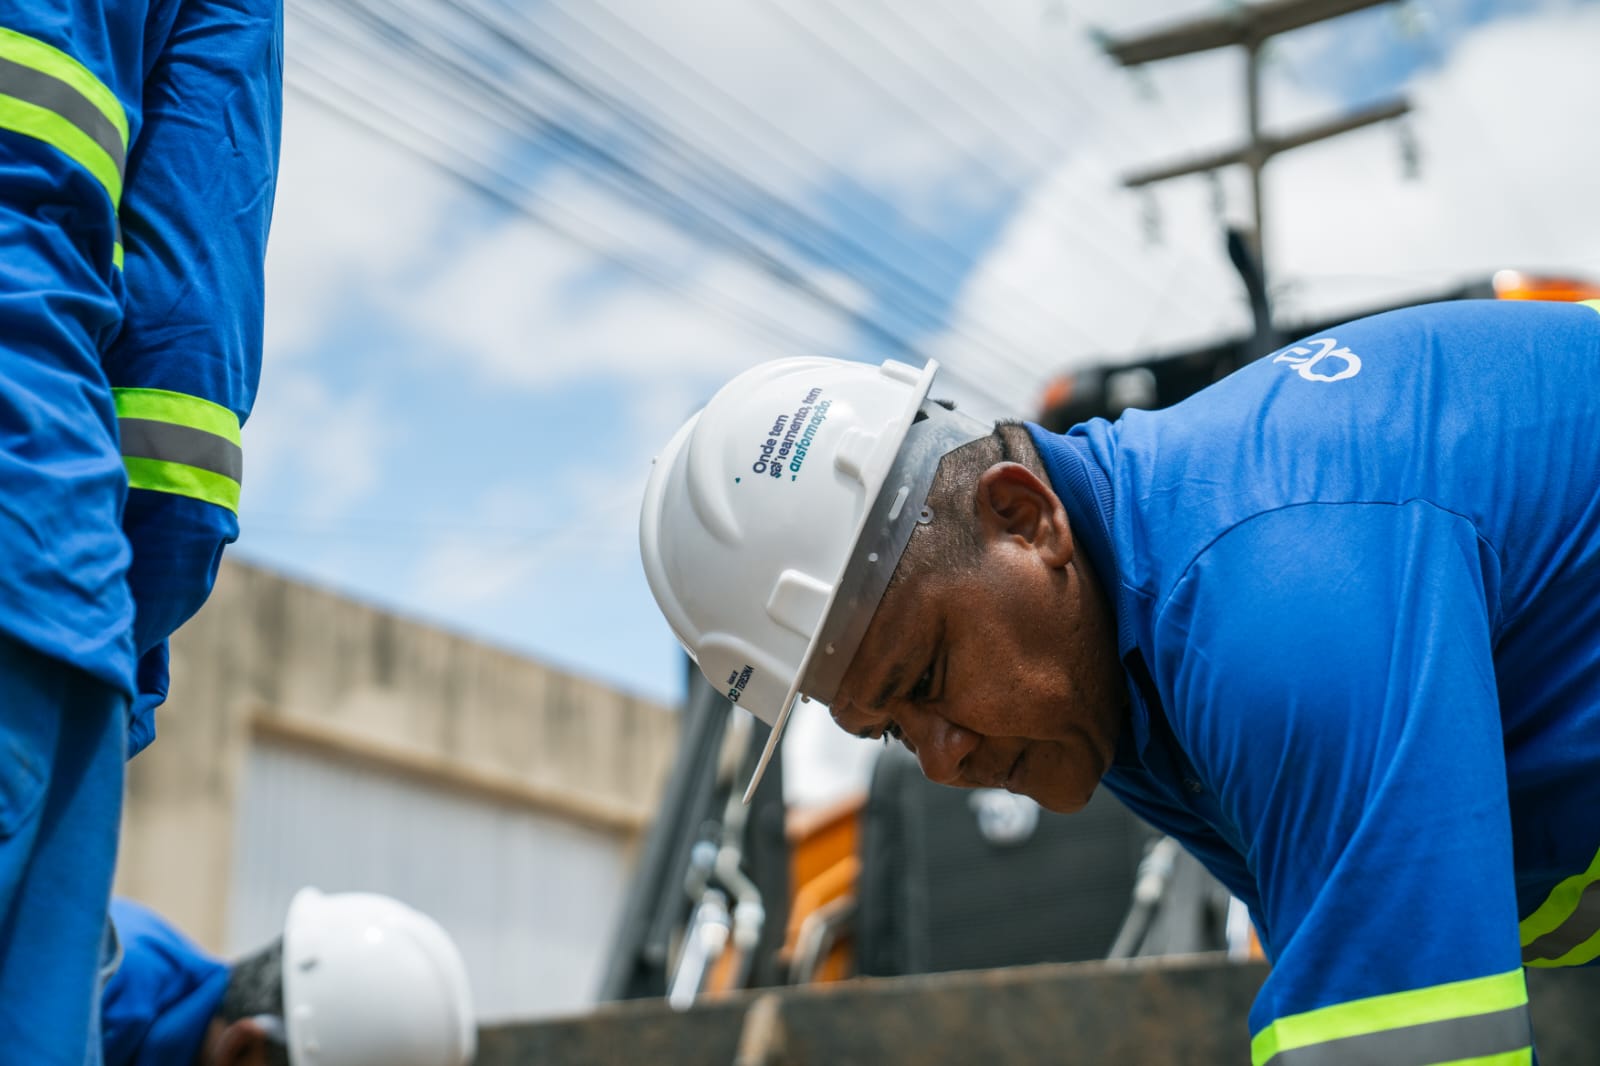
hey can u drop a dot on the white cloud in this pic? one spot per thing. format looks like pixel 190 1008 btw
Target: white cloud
pixel 585 514
pixel 330 449
pixel 353 215
pixel 1506 172
pixel 532 309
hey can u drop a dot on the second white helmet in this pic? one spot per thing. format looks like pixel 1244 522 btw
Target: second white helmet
pixel 368 981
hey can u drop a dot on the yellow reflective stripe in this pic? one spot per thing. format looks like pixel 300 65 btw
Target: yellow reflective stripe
pixel 1585 952
pixel 1457 999
pixel 182 480
pixel 180 409
pixel 116 255
pixel 49 127
pixel 1509 1058
pixel 1591 303
pixel 33 119
pixel 1563 899
pixel 32 52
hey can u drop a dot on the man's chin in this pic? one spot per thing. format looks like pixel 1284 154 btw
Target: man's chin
pixel 1061 797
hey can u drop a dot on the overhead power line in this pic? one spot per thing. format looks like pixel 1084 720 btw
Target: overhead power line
pixel 862 210
pixel 695 215
pixel 628 177
pixel 486 180
pixel 1109 255
pixel 756 204
pixel 375 112
pixel 644 59
pixel 547 107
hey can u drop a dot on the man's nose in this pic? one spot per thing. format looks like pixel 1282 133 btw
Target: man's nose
pixel 939 745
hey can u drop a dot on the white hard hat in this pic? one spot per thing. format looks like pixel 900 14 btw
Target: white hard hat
pixel 774 519
pixel 367 981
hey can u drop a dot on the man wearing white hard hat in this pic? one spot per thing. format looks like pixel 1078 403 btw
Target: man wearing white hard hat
pixel 1331 623
pixel 356 979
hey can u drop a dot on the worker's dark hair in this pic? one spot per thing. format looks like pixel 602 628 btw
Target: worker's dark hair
pixel 950 542
pixel 255 986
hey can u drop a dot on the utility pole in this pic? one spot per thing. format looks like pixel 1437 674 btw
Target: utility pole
pixel 1248 26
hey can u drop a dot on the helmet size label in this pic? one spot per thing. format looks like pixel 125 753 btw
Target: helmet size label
pixel 737 680
pixel 790 437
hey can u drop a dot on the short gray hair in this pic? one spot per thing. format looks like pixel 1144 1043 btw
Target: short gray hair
pixel 950 543
pixel 255 987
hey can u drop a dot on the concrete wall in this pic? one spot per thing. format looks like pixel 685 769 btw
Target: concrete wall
pixel 273 660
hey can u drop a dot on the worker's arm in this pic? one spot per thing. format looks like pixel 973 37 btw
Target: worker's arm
pixel 184 369
pixel 157 1004
pixel 1144 798
pixel 1328 669
pixel 70 82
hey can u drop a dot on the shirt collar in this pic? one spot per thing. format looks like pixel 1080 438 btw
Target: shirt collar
pixel 1080 480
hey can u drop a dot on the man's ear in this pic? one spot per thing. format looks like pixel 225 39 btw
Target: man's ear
pixel 1013 502
pixel 241 1043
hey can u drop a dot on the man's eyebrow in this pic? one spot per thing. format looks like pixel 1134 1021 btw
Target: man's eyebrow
pixel 897 675
pixel 890 686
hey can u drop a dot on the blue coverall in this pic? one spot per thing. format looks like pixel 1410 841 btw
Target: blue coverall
pixel 1357 595
pixel 138 161
pixel 158 1004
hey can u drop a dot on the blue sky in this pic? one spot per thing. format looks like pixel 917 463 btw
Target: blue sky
pixel 458 405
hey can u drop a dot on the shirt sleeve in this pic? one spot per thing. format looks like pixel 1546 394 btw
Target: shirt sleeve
pixel 157 1004
pixel 69 90
pixel 184 368
pixel 1330 675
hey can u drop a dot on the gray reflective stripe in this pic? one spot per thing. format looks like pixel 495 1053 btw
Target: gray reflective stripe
pixel 143 438
pixel 53 94
pixel 1581 924
pixel 1474 1036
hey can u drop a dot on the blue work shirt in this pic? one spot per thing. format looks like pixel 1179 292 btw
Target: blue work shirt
pixel 1357 595
pixel 158 1004
pixel 138 162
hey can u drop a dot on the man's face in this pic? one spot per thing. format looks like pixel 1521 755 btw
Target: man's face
pixel 1004 674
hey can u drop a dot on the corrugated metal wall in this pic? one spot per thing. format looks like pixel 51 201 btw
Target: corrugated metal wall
pixel 530 898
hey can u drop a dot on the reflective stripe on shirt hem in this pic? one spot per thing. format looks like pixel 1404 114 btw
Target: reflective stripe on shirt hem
pixel 1484 1019
pixel 1565 929
pixel 180 444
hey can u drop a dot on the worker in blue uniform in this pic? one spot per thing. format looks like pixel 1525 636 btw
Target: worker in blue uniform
pixel 162 1002
pixel 1333 623
pixel 355 979
pixel 138 161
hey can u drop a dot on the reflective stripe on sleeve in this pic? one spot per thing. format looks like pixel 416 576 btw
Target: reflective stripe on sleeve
pixel 180 444
pixel 49 96
pixel 1565 930
pixel 1591 303
pixel 1483 1020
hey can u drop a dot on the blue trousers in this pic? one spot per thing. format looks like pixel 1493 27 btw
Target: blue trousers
pixel 63 735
